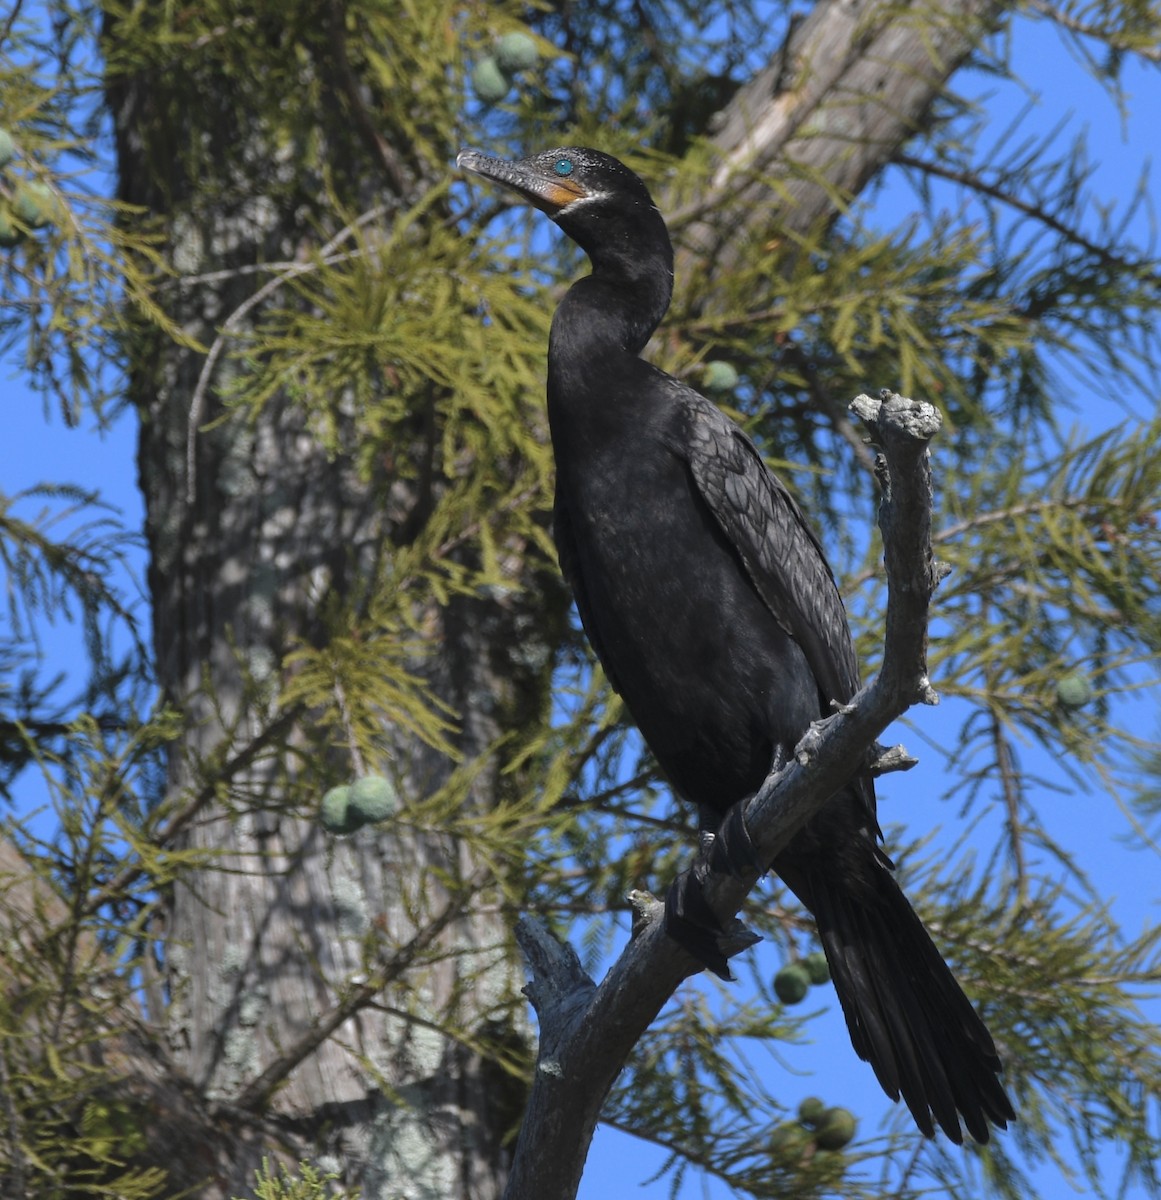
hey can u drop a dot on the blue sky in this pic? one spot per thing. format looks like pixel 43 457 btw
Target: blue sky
pixel 40 449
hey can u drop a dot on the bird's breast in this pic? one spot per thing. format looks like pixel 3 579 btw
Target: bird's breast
pixel 709 677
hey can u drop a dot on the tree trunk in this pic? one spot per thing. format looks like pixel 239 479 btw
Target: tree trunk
pixel 268 937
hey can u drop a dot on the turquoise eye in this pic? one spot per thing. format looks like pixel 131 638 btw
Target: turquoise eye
pixel 563 166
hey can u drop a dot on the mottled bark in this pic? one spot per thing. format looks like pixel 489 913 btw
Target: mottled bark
pixel 266 940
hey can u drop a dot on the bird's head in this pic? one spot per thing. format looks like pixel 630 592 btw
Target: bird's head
pixel 584 191
pixel 608 212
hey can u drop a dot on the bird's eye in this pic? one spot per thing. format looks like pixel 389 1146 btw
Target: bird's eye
pixel 563 166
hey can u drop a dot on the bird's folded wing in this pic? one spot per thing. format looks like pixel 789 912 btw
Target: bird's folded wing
pixel 780 553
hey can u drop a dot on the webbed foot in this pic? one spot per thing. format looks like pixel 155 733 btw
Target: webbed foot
pixel 692 924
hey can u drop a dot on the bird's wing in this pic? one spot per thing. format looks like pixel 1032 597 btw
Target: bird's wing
pixel 566 553
pixel 780 553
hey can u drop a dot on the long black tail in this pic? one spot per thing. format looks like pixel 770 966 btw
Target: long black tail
pixel 906 1013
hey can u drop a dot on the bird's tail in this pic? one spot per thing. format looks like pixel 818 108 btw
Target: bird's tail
pixel 906 1013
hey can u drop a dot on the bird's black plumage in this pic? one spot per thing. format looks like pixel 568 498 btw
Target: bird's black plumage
pixel 710 604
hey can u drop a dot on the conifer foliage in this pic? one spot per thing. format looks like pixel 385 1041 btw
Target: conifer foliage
pixel 291 805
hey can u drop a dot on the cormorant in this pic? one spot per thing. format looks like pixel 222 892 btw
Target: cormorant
pixel 710 604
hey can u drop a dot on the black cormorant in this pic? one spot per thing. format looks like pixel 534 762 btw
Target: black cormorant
pixel 710 604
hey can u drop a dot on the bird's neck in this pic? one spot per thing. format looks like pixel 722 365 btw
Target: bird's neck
pixel 608 316
pixel 624 299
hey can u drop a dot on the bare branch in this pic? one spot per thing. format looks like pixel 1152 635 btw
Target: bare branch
pixel 891 758
pixel 807 132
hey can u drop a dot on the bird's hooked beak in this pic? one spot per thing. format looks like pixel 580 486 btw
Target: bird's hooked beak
pixel 550 194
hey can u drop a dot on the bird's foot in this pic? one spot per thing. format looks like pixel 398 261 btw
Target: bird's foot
pixel 730 850
pixel 695 927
